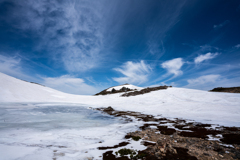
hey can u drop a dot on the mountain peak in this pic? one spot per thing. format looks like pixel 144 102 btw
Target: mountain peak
pixel 120 88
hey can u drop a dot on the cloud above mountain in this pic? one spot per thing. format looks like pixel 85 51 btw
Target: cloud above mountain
pixel 173 66
pixel 69 84
pixel 134 72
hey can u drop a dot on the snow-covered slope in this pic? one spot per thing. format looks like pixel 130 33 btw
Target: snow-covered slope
pixel 15 90
pixel 202 106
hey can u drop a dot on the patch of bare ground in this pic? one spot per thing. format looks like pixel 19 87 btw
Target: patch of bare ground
pixel 229 90
pixel 183 140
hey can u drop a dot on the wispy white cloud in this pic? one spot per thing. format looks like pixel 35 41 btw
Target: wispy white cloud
pixel 237 46
pixel 156 49
pixel 168 15
pixel 205 57
pixel 12 66
pixel 173 66
pixel 204 79
pixel 205 82
pixel 207 47
pixel 69 30
pixel 134 73
pixel 69 84
pixel 202 49
pixel 221 24
pixel 9 63
pixel 208 82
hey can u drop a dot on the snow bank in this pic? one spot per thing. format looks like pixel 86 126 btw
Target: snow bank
pixel 15 90
pixel 201 106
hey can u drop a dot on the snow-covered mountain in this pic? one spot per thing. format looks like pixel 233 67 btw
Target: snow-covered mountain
pixel 202 106
pixel 130 86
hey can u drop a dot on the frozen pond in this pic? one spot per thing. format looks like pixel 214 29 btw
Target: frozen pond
pixel 57 131
pixel 50 117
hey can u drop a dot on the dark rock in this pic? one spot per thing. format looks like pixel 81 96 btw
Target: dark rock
pixel 143 91
pixel 124 89
pixel 108 109
pixel 231 139
pixel 165 130
pixel 113 90
pixel 230 89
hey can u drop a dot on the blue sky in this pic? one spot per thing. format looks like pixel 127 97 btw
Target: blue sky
pixel 82 47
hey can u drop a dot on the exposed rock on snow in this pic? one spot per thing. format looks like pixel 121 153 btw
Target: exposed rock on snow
pixel 119 89
pixel 134 91
pixel 145 90
pixel 166 141
pixel 130 86
pixel 230 89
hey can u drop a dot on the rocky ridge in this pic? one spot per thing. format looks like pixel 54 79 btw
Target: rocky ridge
pixel 130 92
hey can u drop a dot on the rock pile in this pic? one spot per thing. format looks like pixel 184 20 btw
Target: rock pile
pixel 182 140
pixel 145 90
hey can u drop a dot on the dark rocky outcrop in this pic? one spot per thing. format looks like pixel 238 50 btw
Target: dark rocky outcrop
pixel 130 92
pixel 229 90
pixel 145 90
pixel 108 109
pixel 113 91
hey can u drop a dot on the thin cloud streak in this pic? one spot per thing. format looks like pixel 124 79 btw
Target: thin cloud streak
pixel 208 82
pixel 156 49
pixel 168 16
pixel 203 82
pixel 69 84
pixel 10 65
pixel 205 57
pixel 237 46
pixel 13 66
pixel 203 79
pixel 218 26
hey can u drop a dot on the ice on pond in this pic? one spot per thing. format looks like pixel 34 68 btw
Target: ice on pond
pixel 53 117
pixel 58 131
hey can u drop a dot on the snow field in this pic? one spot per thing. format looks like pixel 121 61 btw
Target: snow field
pixel 201 106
